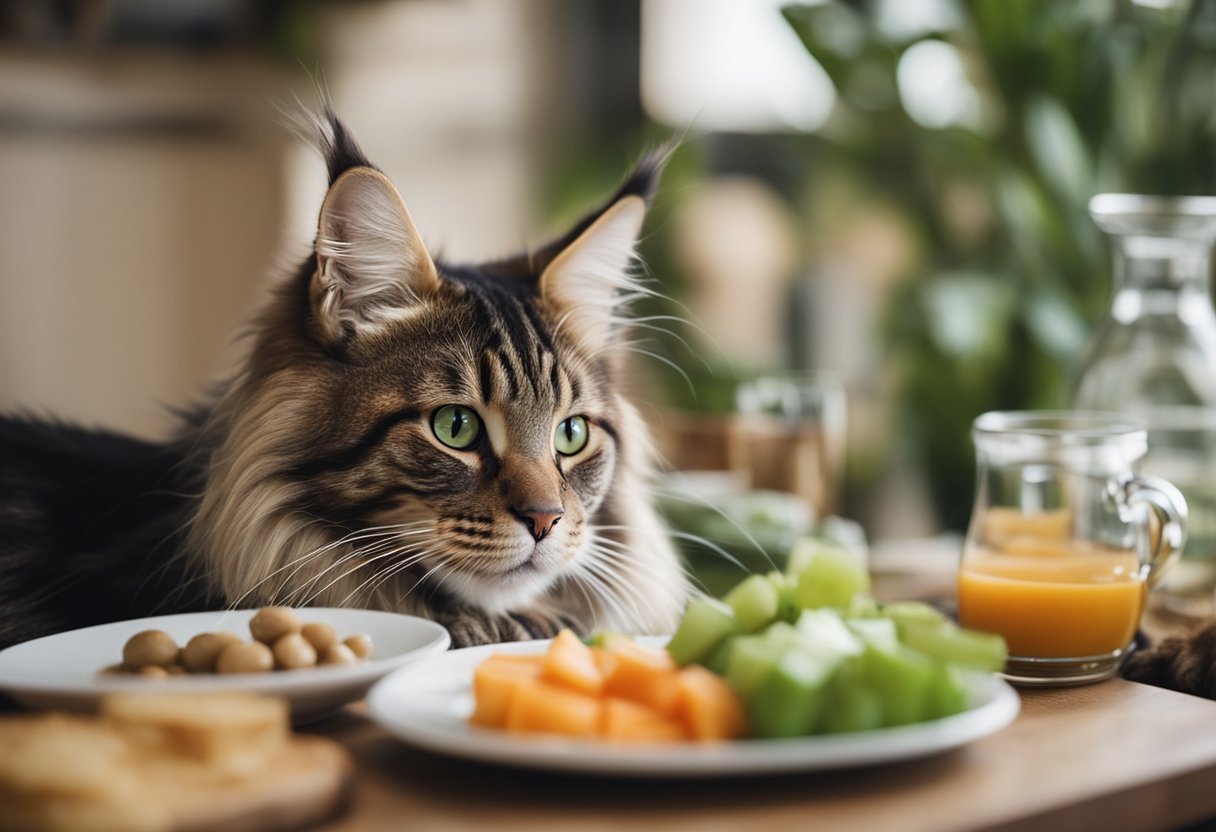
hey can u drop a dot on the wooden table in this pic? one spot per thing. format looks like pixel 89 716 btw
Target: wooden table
pixel 1110 756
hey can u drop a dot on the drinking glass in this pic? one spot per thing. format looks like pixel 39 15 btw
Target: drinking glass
pixel 1065 542
pixel 791 432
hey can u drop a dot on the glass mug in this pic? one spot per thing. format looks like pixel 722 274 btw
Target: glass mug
pixel 1065 541
pixel 791 432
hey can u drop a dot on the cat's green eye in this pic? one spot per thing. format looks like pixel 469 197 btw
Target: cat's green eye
pixel 571 436
pixel 456 426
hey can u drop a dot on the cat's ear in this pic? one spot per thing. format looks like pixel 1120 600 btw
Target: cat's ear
pixel 371 263
pixel 588 275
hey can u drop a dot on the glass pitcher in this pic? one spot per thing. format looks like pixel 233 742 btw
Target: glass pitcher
pixel 1065 541
pixel 1154 359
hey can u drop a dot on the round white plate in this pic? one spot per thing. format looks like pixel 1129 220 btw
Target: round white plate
pixel 61 671
pixel 428 704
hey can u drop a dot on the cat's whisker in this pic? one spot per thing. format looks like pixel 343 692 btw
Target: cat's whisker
pixel 641 324
pixel 573 579
pixel 613 552
pixel 389 540
pixel 688 322
pixel 363 555
pixel 386 531
pixel 700 499
pixel 295 565
pixel 665 360
pixel 363 564
pixel 373 584
pixel 610 595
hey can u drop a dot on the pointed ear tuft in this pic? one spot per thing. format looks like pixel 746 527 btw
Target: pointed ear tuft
pixel 371 263
pixel 341 150
pixel 588 280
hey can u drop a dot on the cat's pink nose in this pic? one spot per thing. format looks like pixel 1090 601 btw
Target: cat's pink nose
pixel 540 521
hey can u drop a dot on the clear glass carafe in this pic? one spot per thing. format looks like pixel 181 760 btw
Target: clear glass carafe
pixel 1065 542
pixel 1154 358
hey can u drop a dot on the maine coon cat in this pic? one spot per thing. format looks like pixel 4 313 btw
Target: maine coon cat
pixel 404 434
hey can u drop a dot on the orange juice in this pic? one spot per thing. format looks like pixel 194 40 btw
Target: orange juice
pixel 1067 604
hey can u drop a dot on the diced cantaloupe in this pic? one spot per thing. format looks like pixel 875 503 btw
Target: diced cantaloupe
pixel 643 675
pixel 570 664
pixel 495 682
pixel 625 721
pixel 539 707
pixel 604 661
pixel 622 692
pixel 708 707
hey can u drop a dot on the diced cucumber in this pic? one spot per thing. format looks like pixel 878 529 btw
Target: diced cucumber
pixel 849 704
pixel 787 604
pixel 944 640
pixel 806 549
pixel 750 660
pixel 788 701
pixel 831 579
pixel 605 640
pixel 755 603
pixel 947 695
pixel 901 678
pixel 825 634
pixel 913 612
pixel 706 624
pixel 880 632
pixel 863 606
pixel 782 632
pixel 720 660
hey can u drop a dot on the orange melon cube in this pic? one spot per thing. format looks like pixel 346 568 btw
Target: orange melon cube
pixel 708 707
pixel 643 675
pixel 604 661
pixel 626 721
pixel 540 707
pixel 495 682
pixel 571 664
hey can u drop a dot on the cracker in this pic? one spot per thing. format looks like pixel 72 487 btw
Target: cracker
pixel 62 755
pixel 232 733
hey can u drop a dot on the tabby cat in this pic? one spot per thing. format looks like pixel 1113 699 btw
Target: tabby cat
pixel 404 434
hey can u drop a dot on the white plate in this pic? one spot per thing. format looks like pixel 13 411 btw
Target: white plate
pixel 61 671
pixel 428 704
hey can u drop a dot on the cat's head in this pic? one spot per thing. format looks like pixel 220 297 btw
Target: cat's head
pixel 459 424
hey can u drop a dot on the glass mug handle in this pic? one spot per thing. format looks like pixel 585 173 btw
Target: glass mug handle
pixel 1169 506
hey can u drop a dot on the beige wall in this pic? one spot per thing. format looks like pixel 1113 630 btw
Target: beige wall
pixel 129 254
pixel 129 258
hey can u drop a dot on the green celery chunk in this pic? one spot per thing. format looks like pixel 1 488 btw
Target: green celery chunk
pixel 788 701
pixel 806 549
pixel 849 704
pixel 831 579
pixel 750 660
pixel 754 602
pixel 605 640
pixel 913 612
pixel 782 632
pixel 947 695
pixel 719 661
pixel 706 624
pixel 787 604
pixel 880 632
pixel 824 633
pixel 901 679
pixel 944 640
pixel 863 606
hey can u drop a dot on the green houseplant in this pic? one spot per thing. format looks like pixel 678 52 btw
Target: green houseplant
pixel 1067 100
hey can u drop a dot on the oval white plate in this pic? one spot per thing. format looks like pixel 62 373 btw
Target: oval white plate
pixel 61 671
pixel 428 704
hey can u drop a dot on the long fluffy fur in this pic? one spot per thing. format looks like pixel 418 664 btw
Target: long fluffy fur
pixel 311 480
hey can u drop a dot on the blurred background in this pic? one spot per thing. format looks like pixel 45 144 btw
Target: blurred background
pixel 874 227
